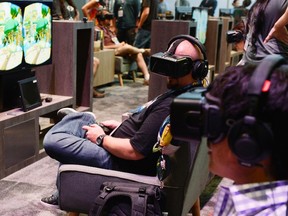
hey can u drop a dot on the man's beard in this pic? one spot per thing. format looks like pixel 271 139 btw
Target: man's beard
pixel 172 84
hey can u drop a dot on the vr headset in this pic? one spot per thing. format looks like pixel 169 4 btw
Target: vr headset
pixel 170 65
pixel 102 17
pixel 193 116
pixel 233 36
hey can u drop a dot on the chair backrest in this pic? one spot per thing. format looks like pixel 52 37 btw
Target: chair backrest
pixel 188 178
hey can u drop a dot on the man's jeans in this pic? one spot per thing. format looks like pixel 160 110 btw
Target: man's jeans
pixel 142 39
pixel 66 143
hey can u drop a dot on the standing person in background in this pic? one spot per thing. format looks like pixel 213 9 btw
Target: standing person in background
pixel 125 17
pixel 261 18
pixel 162 7
pixel 90 9
pixel 64 9
pixel 149 10
pixel 241 11
pixel 210 4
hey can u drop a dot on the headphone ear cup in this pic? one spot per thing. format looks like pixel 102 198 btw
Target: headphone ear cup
pixel 250 142
pixel 199 70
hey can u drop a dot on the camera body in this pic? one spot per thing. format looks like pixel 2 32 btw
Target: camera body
pixel 234 36
pixel 192 117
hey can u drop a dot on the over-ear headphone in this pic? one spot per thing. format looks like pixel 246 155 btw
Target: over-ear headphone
pixel 250 138
pixel 198 67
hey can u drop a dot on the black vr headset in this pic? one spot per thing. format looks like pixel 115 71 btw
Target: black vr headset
pixel 102 17
pixel 169 64
pixel 196 114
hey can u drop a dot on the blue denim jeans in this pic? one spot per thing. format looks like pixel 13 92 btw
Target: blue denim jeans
pixel 142 39
pixel 66 143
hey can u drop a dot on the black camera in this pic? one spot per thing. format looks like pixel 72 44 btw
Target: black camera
pixel 234 36
pixel 193 117
pixel 170 65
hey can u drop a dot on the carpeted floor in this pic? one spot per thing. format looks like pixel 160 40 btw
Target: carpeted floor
pixel 20 193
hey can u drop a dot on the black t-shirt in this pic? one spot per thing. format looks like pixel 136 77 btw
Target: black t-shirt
pixel 153 13
pixel 142 128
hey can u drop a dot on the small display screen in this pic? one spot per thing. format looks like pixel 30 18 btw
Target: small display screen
pixel 30 95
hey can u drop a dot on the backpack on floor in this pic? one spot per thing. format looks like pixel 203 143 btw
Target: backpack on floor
pixel 127 199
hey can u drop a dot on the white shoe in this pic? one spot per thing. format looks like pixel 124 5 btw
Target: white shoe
pixel 91 114
pixel 65 111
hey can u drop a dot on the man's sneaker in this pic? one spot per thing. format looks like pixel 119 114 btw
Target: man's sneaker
pixel 91 114
pixel 65 111
pixel 51 200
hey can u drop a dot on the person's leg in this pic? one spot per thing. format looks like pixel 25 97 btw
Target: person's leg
pixel 142 39
pixel 130 35
pixel 66 143
pixel 128 50
pixel 96 93
pixel 143 67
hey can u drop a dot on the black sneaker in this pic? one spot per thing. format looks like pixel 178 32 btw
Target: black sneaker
pixel 51 200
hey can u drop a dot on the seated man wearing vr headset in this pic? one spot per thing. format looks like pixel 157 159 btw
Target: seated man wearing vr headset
pixel 78 139
pixel 244 115
pixel 121 48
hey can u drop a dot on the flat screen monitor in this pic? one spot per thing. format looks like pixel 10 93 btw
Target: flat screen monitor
pixel 29 93
pixel 9 88
pixel 25 34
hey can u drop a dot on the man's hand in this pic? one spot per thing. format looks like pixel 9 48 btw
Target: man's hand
pixel 93 131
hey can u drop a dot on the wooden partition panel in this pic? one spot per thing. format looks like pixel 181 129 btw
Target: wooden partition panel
pixel 71 71
pixel 213 40
pixel 224 47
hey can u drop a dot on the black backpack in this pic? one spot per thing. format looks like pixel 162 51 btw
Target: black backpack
pixel 127 199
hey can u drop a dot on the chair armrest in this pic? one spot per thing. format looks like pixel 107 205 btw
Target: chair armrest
pixel 79 185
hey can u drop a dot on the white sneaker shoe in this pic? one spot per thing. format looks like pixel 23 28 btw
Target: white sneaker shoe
pixel 65 111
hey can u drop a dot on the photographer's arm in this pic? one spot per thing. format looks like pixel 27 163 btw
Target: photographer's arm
pixel 279 30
